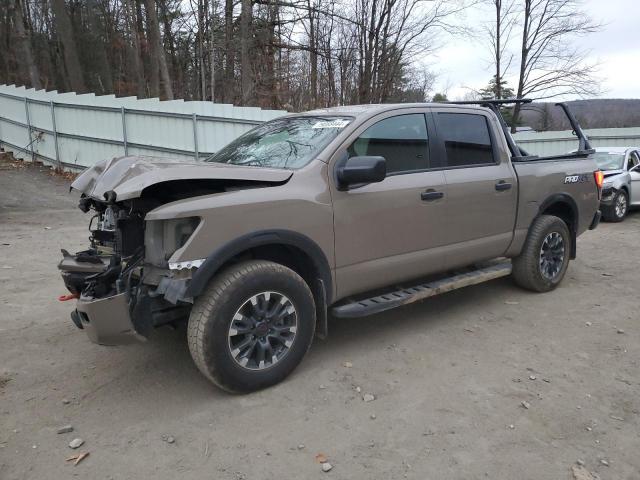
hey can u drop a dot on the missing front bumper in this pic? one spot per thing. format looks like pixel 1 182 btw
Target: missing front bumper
pixel 107 321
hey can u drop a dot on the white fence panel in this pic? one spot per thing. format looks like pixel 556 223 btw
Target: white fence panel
pixel 76 131
pixel 553 143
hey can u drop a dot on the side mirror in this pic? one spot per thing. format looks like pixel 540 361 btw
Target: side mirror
pixel 635 169
pixel 358 170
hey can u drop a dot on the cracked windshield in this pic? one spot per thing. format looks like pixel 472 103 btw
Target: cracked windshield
pixel 287 143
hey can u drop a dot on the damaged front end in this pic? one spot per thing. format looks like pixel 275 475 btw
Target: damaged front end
pixel 124 283
pixel 115 283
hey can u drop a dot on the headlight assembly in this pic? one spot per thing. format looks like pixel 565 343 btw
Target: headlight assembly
pixel 164 237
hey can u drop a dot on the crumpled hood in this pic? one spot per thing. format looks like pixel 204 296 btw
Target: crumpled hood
pixel 611 173
pixel 129 176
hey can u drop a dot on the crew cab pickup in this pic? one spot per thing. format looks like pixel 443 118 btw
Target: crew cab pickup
pixel 345 211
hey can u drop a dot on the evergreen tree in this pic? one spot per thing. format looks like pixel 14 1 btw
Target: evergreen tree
pixel 492 91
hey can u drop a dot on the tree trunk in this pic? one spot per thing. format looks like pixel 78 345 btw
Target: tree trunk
pixel 134 48
pixel 212 55
pixel 524 56
pixel 498 55
pixel 157 60
pixel 104 69
pixel 313 56
pixel 230 52
pixel 64 31
pixel 245 51
pixel 25 53
pixel 170 46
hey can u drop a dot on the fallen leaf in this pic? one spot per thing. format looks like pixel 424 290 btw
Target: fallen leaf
pixel 321 458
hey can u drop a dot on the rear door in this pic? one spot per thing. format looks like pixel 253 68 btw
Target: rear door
pixel 389 231
pixel 481 185
pixel 634 161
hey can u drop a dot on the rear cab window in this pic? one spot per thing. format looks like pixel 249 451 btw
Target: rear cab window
pixel 466 139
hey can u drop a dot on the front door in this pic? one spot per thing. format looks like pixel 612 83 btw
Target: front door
pixel 482 187
pixel 389 231
pixel 633 163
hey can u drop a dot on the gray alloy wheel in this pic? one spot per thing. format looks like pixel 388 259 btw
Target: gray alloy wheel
pixel 252 325
pixel 544 259
pixel 552 254
pixel 617 211
pixel 263 330
pixel 621 205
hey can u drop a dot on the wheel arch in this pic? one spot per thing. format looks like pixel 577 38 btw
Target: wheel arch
pixel 563 206
pixel 291 249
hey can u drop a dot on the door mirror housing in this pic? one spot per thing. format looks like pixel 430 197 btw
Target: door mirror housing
pixel 361 170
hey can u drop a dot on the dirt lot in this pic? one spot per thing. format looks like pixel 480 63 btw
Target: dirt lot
pixel 449 377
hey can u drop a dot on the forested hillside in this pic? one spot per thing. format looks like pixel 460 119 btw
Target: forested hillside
pixel 596 113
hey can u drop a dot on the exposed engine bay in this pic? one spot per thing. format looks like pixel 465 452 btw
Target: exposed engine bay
pixel 123 282
pixel 114 265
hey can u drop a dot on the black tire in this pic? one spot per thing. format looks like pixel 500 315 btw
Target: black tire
pixel 619 208
pixel 210 325
pixel 528 269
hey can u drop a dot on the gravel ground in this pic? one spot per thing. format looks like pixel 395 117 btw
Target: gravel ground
pixel 486 382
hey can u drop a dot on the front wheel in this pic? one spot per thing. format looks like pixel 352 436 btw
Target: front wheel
pixel 252 326
pixel 544 259
pixel 618 210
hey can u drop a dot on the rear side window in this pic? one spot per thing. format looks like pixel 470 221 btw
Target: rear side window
pixel 401 140
pixel 466 139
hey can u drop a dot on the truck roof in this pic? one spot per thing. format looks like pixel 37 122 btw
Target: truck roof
pixel 369 109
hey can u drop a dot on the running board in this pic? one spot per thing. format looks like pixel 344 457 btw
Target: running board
pixel 405 296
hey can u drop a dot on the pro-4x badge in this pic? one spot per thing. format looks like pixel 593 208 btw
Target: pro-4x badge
pixel 576 178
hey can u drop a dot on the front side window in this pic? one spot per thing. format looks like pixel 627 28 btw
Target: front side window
pixel 288 143
pixel 466 139
pixel 401 140
pixel 633 160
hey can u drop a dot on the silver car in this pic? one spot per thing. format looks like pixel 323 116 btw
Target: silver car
pixel 621 187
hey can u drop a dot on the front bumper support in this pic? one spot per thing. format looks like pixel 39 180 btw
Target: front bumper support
pixel 107 321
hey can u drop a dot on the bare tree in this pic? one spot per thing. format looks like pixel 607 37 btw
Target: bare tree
pixel 549 65
pixel 292 54
pixel 246 75
pixel 157 60
pixel 64 31
pixel 499 33
pixel 23 39
pixel 134 47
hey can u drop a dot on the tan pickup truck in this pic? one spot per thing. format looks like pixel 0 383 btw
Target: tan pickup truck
pixel 345 211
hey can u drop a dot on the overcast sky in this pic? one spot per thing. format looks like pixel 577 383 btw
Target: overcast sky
pixel 465 63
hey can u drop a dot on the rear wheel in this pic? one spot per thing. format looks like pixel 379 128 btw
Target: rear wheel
pixel 544 259
pixel 619 208
pixel 252 326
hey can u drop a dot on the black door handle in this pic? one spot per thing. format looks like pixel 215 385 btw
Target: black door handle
pixel 431 195
pixel 502 185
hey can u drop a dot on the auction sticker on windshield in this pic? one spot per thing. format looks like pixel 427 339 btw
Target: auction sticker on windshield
pixel 338 123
